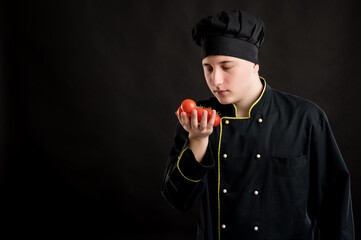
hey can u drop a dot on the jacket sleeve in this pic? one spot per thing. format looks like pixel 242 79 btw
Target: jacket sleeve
pixel 185 179
pixel 330 182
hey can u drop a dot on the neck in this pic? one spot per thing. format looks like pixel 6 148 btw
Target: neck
pixel 243 106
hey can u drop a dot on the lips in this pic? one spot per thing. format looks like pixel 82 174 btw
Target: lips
pixel 220 92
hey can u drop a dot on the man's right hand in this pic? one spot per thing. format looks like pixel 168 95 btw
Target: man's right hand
pixel 198 131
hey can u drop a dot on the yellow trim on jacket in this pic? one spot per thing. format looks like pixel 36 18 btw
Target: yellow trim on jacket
pixel 180 156
pixel 250 109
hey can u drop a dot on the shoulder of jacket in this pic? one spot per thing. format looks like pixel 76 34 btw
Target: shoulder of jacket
pixel 300 104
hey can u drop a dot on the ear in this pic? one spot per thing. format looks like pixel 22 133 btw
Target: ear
pixel 255 68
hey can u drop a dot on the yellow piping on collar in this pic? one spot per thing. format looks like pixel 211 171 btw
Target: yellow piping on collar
pixel 250 109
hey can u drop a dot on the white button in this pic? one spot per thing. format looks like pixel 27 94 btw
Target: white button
pixel 260 120
pixel 225 156
pixel 224 190
pixel 255 228
pixel 223 226
pixel 256 192
pixel 258 156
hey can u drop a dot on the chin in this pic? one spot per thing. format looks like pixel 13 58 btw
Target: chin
pixel 224 101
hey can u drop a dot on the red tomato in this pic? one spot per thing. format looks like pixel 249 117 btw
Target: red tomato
pixel 209 113
pixel 188 105
pixel 217 121
pixel 199 113
pixel 179 111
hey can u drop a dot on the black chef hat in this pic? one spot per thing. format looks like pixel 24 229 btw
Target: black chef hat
pixel 231 33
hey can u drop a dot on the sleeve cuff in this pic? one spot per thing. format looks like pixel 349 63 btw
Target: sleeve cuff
pixel 190 168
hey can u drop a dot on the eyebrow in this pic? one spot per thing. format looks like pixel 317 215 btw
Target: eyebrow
pixel 223 62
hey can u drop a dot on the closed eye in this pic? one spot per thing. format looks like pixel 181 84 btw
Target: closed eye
pixel 226 66
pixel 208 69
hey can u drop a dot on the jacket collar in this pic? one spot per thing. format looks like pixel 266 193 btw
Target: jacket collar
pixel 256 107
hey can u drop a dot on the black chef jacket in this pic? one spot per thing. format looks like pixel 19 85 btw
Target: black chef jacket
pixel 277 174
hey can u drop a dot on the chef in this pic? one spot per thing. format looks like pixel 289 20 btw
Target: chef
pixel 272 168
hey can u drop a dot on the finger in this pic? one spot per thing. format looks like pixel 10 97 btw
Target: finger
pixel 185 120
pixel 211 120
pixel 176 113
pixel 194 119
pixel 179 114
pixel 204 120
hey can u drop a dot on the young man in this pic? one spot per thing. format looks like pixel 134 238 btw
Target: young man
pixel 272 168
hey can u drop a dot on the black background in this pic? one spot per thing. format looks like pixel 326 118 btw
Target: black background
pixel 88 93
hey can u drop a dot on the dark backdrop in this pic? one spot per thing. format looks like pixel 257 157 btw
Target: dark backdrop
pixel 88 94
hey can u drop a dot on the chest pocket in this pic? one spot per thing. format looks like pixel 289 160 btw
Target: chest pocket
pixel 290 167
pixel 289 163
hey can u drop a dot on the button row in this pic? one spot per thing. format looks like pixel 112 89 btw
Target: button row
pixel 257 155
pixel 254 193
pixel 260 120
pixel 255 228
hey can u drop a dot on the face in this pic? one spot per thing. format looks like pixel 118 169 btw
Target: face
pixel 229 78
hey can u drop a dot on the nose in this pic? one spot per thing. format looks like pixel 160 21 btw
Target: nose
pixel 217 77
